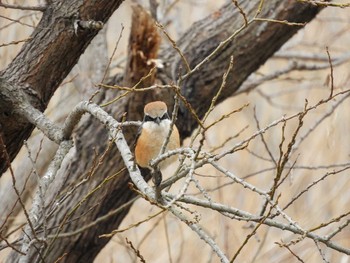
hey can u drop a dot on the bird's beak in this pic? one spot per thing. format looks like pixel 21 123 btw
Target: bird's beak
pixel 157 120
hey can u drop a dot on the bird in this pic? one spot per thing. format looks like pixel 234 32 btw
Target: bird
pixel 152 134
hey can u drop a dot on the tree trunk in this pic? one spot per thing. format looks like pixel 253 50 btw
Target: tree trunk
pixel 250 49
pixel 43 63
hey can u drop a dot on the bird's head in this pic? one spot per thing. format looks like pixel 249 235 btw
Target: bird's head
pixel 156 112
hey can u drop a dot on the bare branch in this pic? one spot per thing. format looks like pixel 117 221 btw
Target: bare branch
pixel 20 7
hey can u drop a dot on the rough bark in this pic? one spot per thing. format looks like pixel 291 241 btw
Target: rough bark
pixel 44 62
pixel 251 48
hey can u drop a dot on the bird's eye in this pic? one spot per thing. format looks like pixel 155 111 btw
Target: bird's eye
pixel 165 116
pixel 148 118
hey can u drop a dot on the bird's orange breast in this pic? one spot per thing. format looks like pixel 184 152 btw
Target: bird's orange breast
pixel 150 143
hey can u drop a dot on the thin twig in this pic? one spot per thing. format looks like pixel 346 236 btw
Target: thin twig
pixel 113 53
pixel 15 42
pixel 263 139
pixel 252 233
pixel 137 252
pixel 95 222
pixel 321 252
pixel 285 22
pixel 235 2
pixel 331 75
pixel 201 233
pixel 173 120
pixel 290 250
pixel 116 231
pixel 30 225
pixel 175 46
pixel 167 238
pixel 10 245
pixel 338 230
pixel 129 90
pixel 17 21
pixel 313 184
pixel 201 130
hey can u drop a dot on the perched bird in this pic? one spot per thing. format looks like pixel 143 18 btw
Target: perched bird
pixel 153 132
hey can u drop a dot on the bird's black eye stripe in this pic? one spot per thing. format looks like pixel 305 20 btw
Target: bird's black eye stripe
pixel 148 118
pixel 165 116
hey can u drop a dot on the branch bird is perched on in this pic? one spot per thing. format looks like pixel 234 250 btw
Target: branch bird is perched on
pixel 153 133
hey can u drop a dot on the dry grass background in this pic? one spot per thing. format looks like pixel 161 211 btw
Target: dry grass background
pixel 164 238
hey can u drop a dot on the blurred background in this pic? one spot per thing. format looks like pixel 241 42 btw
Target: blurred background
pixel 323 144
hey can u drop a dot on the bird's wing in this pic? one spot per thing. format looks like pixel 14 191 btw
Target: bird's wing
pixel 136 138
